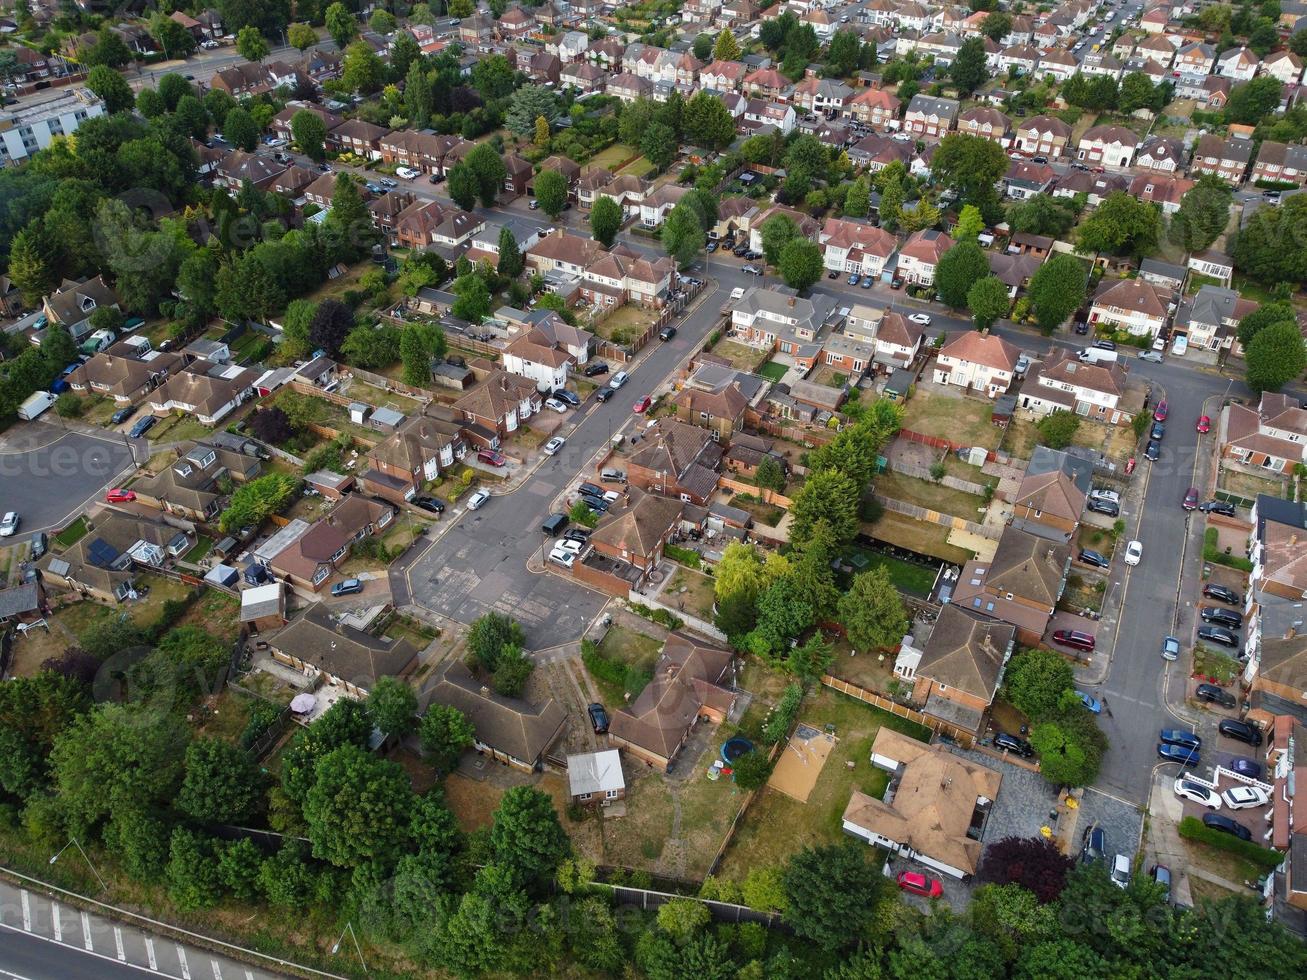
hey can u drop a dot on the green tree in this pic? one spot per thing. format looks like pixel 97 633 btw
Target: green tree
pixel 800 264
pixel 192 872
pixel 1057 289
pixel 488 166
pixel 140 841
pixel 511 262
pixel 1204 212
pixel 1262 317
pixel 149 103
pixel 1036 681
pixel 1271 247
pixel 1275 356
pixel 250 44
pixel 111 89
pixel 682 235
pixel 1042 215
pixel 109 51
pixel 240 130
pixel 473 302
pixel 857 202
pixel 489 635
pixel 551 192
pixel 969 69
pixel 970 224
pixel 1121 225
pixel 830 892
pixel 770 474
pixel 392 705
pixel 1058 428
pixel 659 145
pixel 526 837
pixel 1070 749
pixel 971 165
pixel 173 39
pixel 463 186
pixel 811 660
pixel 1138 92
pixel 996 25
pixel 826 496
pixel 605 220
pixel 358 809
pixel 726 48
pixel 310 134
pixel 988 300
pixel 444 733
pixel 1254 100
pixel 777 232
pixel 512 672
pixel 708 123
pixel 340 24
pixel 32 265
pixel 362 70
pixel 684 918
pixel 419 99
pixel 301 36
pixel 415 356
pixel 872 612
pixel 527 104
pixel 222 783
pixel 960 268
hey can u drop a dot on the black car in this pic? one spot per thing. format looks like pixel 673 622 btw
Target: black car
pixel 1157 432
pixel 577 534
pixel 603 394
pixel 1152 451
pixel 1222 617
pixel 752 256
pixel 563 395
pixel 595 368
pixel 123 414
pixel 433 504
pixel 598 717
pixel 666 333
pixel 1013 744
pixel 1240 731
pixel 1215 634
pixel 833 274
pixel 1214 695
pixel 591 490
pixel 1222 594
pixel 1082 328
pixel 143 426
pixel 1226 826
pixel 596 504
pixel 739 250
pixel 1094 845
pixel 1090 557
pixel 1104 507
pixel 1223 507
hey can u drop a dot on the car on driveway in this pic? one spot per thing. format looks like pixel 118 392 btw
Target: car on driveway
pixel 921 319
pixel 1214 695
pixel 569 544
pixel 553 445
pixel 567 397
pixel 579 534
pixel 431 504
pixel 1220 593
pixel 1134 551
pixel 1093 845
pixel 478 499
pixel 1226 826
pixel 595 368
pixel 1090 702
pixel 1178 736
pixel 1075 639
pixel 1245 767
pixel 123 414
pixel 351 586
pixel 1223 507
pixel 1121 871
pixel 1152 451
pixel 554 405
pixel 1175 753
pixel 1161 874
pixel 1217 634
pixel 143 426
pixel 1013 744
pixel 853 279
pixel 919 884
pixel 1100 506
pixel 1190 499
pixel 561 556
pixel 1240 731
pixel 1187 789
pixel 1204 424
pixel 598 717
pixel 1091 557
pixel 408 173
pixel 120 496
pixel 1109 495
pixel 1170 648
pixel 1245 797
pixel 1161 411
pixel 8 524
pixel 867 282
pixel 642 406
pixel 492 457
pixel 1219 616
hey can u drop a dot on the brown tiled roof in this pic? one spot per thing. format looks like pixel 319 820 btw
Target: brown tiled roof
pixel 671 446
pixel 1052 493
pixel 639 528
pixel 927 246
pixel 496 395
pixel 895 328
pixel 989 350
pixel 523 731
pixel 966 651
pixel 345 652
pixel 1028 566
pixel 1136 295
pixel 1061 368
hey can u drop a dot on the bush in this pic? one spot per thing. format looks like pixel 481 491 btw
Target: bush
pixel 1194 829
pixel 1213 554
pixel 685 556
pixel 660 616
pixel 263 715
pixel 69 406
pixel 781 720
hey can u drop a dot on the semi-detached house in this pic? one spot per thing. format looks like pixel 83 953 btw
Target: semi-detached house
pixel 855 246
pixel 985 362
pixel 1130 304
pixel 1064 382
pixel 1108 146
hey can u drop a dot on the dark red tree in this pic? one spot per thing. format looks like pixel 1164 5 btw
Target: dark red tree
pixel 1032 862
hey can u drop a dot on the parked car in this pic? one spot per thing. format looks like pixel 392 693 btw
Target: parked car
pixel 478 499
pixel 1218 616
pixel 1103 507
pixel 123 414
pixel 598 717
pixel 1216 634
pixel 567 397
pixel 1161 874
pixel 1214 695
pixel 120 496
pixel 492 457
pixel 853 278
pixel 919 884
pixel 1090 702
pixel 1121 871
pixel 1226 826
pixel 1204 424
pixel 428 503
pixel 597 504
pixel 1022 366
pixel 1158 431
pixel 1134 552
pixel 1245 767
pixel 554 405
pixel 1091 557
pixel 595 368
pixel 1075 639
pixel 618 380
pixel 1109 495
pixel 8 524
pixel 1219 592
pixel 1093 845
pixel 407 173
pixel 1082 328
pixel 350 586
pixel 922 319
pixel 1152 451
pixel 40 544
pixel 591 490
pixel 578 534
pixel 1175 753
pixel 867 282
pixel 553 445
pixel 1223 507
pixel 1161 411
pixel 642 406
pixel 1170 648
pixel 603 394
pixel 666 333
pixel 1013 744
pixel 1190 499
pixel 1150 355
pixel 1240 731
pixel 561 556
pixel 142 426
pixel 1187 789
pixel 1178 736
pixel 753 270
pixel 1245 797
pixel 710 247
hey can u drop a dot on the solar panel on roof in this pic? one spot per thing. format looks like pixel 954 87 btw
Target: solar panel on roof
pixel 101 553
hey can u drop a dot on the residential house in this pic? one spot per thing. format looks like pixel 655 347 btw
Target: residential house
pixel 562 252
pixel 420 450
pixel 1020 585
pixel 876 151
pixel 1014 271
pixel 625 276
pixel 125 372
pixel 1108 146
pixel 477 31
pixel 293 182
pixel 246 79
pixel 1237 64
pixel 1167 275
pixel 629 541
pixel 852 245
pixel 876 107
pixel 938 797
pixel 761 115
pixel 516 23
pixel 1090 390
pixel 713 400
pixel 1274 604
pixel 961 667
pixel 1051 496
pixel 766 83
pixel 583 76
pixel 722 76
pixel 1195 58
pixel 921 254
pixel 358 137
pixel 985 362
pixel 596 778
pixel 281 122
pixel 497 406
pixel 1102 63
pixel 570 169
pixel 1164 190
pixel 1160 154
pixel 629 87
pixel 1281 163
pixel 1226 158
pixel 930 117
pixel 11 298
pixel 344 657
pixel 1210 319
pixel 424 224
pixel 1043 136
pixel 533 356
pixel 988 123
pixel 208 392
pixel 692 681
pixel 1133 305
pixel 821 96
pixel 656 205
pixel 772 319
pixel 1212 263
pixel 1272 436
pixel 71 305
pixel 1058 64
pixel 1024 180
pixel 897 341
pixel 1285 66
pixel 676 459
pixel 189 486
pixel 103 565
pixel 1158 50
pixel 1022 57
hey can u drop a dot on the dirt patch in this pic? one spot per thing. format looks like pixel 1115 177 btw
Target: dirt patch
pixel 932 496
pixel 801 763
pixel 741 356
pixel 925 539
pixel 216 613
pixel 692 592
pixel 471 801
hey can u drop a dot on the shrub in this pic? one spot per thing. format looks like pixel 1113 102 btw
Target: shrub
pixel 1194 829
pixel 660 616
pixel 69 406
pixel 685 556
pixel 1213 554
pixel 778 725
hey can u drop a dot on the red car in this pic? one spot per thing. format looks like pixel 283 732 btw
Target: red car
pixel 1160 413
pixel 120 496
pixel 919 884
pixel 491 457
pixel 1190 499
pixel 1204 424
pixel 642 406
pixel 1074 639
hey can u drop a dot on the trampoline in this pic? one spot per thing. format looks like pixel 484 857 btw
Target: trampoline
pixel 734 748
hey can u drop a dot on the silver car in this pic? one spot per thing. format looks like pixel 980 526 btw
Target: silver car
pixel 8 524
pixel 478 499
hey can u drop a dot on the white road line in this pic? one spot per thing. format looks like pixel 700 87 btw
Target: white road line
pixel 149 953
pixel 57 922
pixel 27 910
pixel 217 973
pixel 86 932
pixel 249 975
pixel 89 952
pixel 118 943
pixel 186 967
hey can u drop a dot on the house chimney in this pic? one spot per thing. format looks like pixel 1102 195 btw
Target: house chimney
pixel 792 299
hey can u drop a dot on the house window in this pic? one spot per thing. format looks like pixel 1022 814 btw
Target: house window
pixel 610 794
pixel 320 575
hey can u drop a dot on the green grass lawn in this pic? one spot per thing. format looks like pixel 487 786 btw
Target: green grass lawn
pixel 741 356
pixel 925 539
pixel 201 549
pixel 906 576
pixel 638 652
pixel 924 493
pixel 773 370
pixel 73 533
pixel 641 167
pixel 179 426
pixel 613 156
pixel 963 421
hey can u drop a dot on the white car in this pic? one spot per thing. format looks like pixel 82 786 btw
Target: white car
pixel 1244 797
pixel 1121 871
pixel 553 445
pixel 408 173
pixel 1111 495
pixel 1151 355
pixel 1186 789
pixel 1133 552
pixel 1022 365
pixel 8 524
pixel 618 379
pixel 920 318
pixel 560 557
pixel 477 499
pixel 554 405
pixel 567 544
pixel 737 293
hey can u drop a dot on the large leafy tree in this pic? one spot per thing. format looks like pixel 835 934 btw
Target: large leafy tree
pixel 33 712
pixel 960 268
pixel 872 611
pixel 331 324
pixel 551 192
pixel 392 705
pixel 605 220
pixel 362 70
pixel 831 893
pixel 683 235
pixel 659 144
pixel 1121 225
pixel 111 88
pixel 708 123
pixel 488 166
pixel 826 496
pixel 527 838
pixel 777 232
pixel 527 104
pixel 310 134
pixel 250 44
pixel 800 263
pixel 32 264
pixel 463 186
pixel 969 69
pixel 1271 247
pixel 341 24
pixel 1254 100
pixel 1275 356
pixel 1036 682
pixel 987 300
pixel 349 218
pixel 473 303
pixel 1042 214
pixel 1204 212
pixel 222 783
pixel 971 165
pixel 1262 317
pixel 345 723
pixel 1070 748
pixel 996 25
pixel 1057 289
pixel 444 733
pixel 489 635
pixel 1034 863
pixel 358 809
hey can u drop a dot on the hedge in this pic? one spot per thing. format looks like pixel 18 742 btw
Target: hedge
pixel 685 556
pixel 782 718
pixel 660 616
pixel 1265 858
pixel 1212 553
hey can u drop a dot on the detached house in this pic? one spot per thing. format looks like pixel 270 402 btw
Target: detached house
pixel 419 451
pixel 1050 500
pixel 921 254
pixel 930 117
pixel 1237 64
pixel 1211 318
pixel 961 667
pixel 72 304
pixel 1160 154
pixel 1043 136
pixel 855 246
pixel 985 362
pixel 189 487
pixel 498 406
pixel 1108 146
pixel 774 320
pixel 533 356
pixel 1020 585
pixel 1130 304
pixel 1285 66
pixel 1092 391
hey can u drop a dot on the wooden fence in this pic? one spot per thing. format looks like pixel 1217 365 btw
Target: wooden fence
pixel 959 735
pixel 923 473
pixel 767 496
pixel 935 517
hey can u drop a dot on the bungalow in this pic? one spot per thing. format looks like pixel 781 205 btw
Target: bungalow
pixel 344 657
pixel 985 362
pixel 189 487
pixel 930 117
pixel 1108 146
pixel 596 778
pixel 1214 264
pixel 1043 136
pixel 1130 304
pixel 209 392
pixel 855 246
pixel 676 460
pixel 1090 390
pixel 1226 158
pixel 499 405
pixel 1279 162
pixel 921 254
pixel 103 565
pixel 125 372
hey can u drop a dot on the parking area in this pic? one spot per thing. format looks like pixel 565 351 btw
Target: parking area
pixel 48 473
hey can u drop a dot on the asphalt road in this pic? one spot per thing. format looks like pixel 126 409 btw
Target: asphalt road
pixel 48 473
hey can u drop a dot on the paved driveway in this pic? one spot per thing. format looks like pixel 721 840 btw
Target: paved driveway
pixel 48 473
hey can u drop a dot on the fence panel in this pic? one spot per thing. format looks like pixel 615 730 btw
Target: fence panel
pixel 959 735
pixel 935 517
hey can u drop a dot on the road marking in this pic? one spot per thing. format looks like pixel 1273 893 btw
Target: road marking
pixel 118 942
pixel 217 973
pixel 86 932
pixel 186 967
pixel 27 910
pixel 57 922
pixel 149 954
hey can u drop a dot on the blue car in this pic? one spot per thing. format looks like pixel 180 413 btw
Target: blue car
pixel 143 426
pixel 1245 767
pixel 1176 753
pixel 1186 740
pixel 1090 702
pixel 348 587
pixel 853 279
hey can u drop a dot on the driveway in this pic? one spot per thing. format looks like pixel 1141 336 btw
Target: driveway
pixel 48 473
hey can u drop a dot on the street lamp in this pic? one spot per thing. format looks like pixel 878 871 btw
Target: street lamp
pixel 73 842
pixel 349 928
